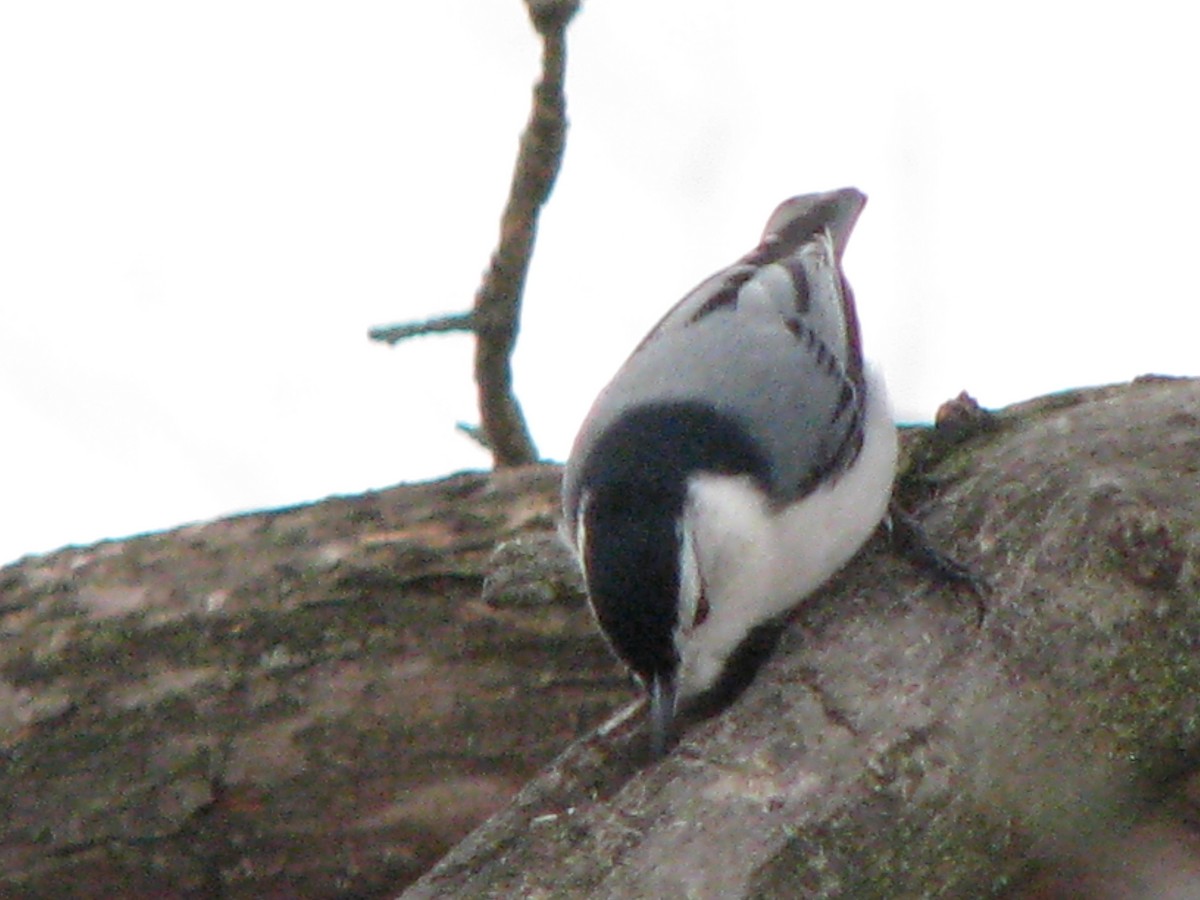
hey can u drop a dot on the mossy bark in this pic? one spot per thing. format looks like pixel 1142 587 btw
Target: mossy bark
pixel 312 702
pixel 893 748
pixel 320 701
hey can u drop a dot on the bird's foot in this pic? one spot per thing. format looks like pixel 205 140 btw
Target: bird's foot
pixel 909 539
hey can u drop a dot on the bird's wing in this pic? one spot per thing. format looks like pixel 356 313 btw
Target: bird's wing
pixel 771 342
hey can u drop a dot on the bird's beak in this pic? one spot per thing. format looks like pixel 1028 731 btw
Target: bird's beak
pixel 662 712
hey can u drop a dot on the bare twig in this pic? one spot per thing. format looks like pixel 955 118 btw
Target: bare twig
pixel 495 318
pixel 394 334
pixel 475 433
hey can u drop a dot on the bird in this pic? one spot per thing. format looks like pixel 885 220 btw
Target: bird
pixel 742 455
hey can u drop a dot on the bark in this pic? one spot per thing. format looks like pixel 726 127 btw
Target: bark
pixel 321 701
pixel 891 748
pixel 311 702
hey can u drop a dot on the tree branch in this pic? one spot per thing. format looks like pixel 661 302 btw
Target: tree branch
pixel 498 301
pixel 394 334
pixel 320 701
pixel 495 318
pixel 892 747
pixel 442 324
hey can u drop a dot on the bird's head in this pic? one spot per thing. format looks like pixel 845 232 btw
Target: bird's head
pixel 632 527
pixel 627 537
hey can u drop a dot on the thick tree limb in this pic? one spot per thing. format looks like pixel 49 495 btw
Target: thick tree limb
pixel 891 748
pixel 320 701
pixel 495 317
pixel 309 702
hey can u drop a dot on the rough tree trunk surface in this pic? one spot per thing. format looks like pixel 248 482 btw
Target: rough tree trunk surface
pixel 891 748
pixel 318 702
pixel 312 702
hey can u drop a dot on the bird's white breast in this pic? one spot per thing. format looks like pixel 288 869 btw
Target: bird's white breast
pixel 754 563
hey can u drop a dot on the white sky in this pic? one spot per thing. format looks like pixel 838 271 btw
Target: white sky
pixel 203 207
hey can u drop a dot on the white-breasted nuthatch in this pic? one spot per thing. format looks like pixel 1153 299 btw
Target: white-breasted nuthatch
pixel 741 456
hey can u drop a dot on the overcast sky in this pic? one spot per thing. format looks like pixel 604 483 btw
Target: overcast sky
pixel 204 207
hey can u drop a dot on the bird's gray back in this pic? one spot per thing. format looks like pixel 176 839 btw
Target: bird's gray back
pixel 770 343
